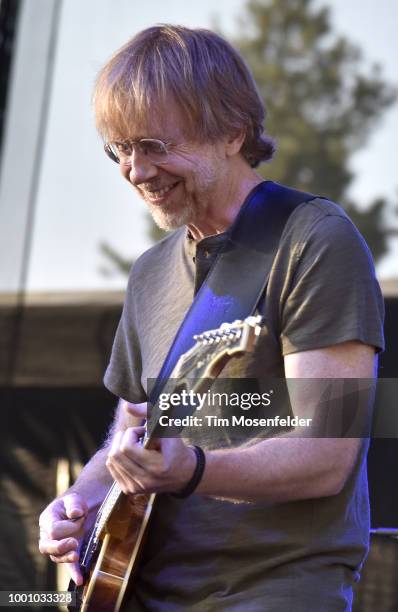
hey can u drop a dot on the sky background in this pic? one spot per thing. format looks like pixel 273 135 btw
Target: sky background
pixel 82 200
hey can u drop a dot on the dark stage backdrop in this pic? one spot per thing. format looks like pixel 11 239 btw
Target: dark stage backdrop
pixel 40 425
pixel 383 454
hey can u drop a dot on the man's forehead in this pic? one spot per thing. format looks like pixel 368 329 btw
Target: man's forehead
pixel 150 131
pixel 164 124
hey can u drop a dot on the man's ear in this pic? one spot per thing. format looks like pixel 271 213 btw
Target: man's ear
pixel 234 142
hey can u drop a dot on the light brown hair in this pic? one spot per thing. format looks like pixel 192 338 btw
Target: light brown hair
pixel 197 69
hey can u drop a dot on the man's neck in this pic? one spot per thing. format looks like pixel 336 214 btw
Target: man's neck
pixel 218 221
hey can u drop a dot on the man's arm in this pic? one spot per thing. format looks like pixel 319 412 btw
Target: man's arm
pixel 284 468
pixel 65 521
pixel 274 470
pixel 95 480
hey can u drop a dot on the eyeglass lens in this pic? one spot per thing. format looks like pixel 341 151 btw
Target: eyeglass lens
pixel 155 149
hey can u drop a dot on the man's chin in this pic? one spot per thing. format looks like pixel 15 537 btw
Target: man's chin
pixel 169 221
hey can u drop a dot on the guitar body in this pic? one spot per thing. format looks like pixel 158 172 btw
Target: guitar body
pixel 109 573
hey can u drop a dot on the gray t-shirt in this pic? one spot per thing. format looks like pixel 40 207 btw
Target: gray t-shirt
pixel 204 554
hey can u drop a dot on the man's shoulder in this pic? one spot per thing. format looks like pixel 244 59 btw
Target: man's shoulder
pixel 321 220
pixel 159 252
pixel 314 211
pixel 319 230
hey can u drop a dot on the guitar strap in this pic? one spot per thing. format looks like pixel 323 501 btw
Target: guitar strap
pixel 239 275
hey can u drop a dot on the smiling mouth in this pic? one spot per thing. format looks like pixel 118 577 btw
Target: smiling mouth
pixel 158 194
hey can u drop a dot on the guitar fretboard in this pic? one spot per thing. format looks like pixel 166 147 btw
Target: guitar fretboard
pixel 107 507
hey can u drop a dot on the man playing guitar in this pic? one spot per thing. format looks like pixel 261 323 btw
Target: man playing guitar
pixel 281 524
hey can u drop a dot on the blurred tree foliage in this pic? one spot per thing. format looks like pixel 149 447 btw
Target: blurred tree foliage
pixel 321 105
pixel 114 262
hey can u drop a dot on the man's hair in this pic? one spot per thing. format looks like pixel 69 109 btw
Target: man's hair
pixel 194 68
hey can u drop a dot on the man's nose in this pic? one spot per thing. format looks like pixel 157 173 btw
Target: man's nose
pixel 141 167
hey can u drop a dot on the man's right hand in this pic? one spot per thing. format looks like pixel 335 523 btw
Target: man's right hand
pixel 62 531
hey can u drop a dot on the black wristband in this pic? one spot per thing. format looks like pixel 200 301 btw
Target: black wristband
pixel 196 476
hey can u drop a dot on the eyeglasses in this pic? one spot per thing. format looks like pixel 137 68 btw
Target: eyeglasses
pixel 155 150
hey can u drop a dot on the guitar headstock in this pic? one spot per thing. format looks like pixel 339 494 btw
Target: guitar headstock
pixel 215 347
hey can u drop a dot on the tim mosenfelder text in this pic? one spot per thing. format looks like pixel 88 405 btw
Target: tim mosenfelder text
pixel 244 401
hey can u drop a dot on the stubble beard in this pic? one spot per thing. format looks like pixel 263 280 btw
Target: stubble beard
pixel 169 220
pixel 194 208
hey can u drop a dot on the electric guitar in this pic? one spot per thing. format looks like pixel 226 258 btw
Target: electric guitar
pixel 111 553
